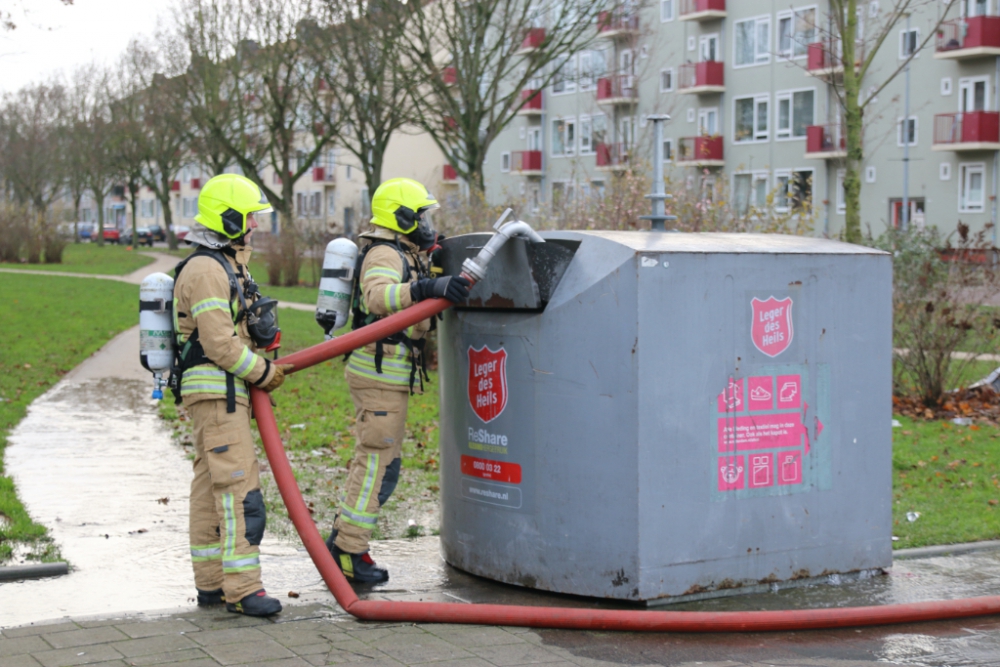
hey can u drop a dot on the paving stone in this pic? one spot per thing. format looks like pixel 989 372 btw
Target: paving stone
pixel 19 661
pixel 109 663
pixel 153 628
pixel 224 620
pixel 474 636
pixel 153 645
pixel 356 652
pixel 293 638
pixel 412 650
pixel 86 637
pixel 284 662
pixel 200 662
pixel 101 622
pixel 172 656
pixel 229 636
pixel 248 652
pixel 68 657
pixel 515 654
pixel 40 629
pixel 310 649
pixel 22 645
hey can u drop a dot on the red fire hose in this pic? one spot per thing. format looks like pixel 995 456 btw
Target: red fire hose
pixel 546 617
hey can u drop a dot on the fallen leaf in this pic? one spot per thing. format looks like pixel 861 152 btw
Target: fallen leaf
pixel 163 501
pixel 293 594
pixel 994 502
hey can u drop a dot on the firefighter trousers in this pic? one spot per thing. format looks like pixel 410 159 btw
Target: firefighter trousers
pixel 227 508
pixel 381 425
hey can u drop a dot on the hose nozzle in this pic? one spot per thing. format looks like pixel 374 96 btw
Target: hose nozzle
pixel 475 267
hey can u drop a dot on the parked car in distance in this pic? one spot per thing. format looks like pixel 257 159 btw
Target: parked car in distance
pixel 143 236
pixel 158 233
pixel 86 231
pixel 180 231
pixel 112 235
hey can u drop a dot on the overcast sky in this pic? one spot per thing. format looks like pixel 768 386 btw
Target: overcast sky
pixel 52 37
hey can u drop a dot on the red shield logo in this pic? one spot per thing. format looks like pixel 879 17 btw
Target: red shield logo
pixel 772 325
pixel 487 382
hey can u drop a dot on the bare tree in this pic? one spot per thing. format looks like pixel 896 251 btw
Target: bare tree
pixel 853 47
pixel 131 136
pixel 474 59
pixel 8 10
pixel 80 98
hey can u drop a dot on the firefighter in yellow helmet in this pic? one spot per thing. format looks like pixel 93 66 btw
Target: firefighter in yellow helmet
pixel 221 323
pixel 392 273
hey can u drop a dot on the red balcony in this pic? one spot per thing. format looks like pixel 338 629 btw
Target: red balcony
pixel 703 77
pixel 825 142
pixel 175 186
pixel 319 174
pixel 528 163
pixel 449 75
pixel 196 184
pixel 532 103
pixel 448 174
pixel 702 10
pixel 617 89
pixel 617 23
pixel 972 37
pixel 703 151
pixel 971 131
pixel 611 157
pixel 532 40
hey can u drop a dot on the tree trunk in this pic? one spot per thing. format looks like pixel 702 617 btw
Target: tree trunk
pixel 853 122
pixel 76 218
pixel 168 214
pixel 99 200
pixel 134 191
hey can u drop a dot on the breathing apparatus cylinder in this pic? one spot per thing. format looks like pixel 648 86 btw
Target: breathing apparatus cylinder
pixel 335 285
pixel 156 327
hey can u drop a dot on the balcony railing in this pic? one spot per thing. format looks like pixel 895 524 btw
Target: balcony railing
pixel 526 162
pixel 175 186
pixel 448 174
pixel 703 77
pixel 532 102
pixel 973 130
pixel 611 156
pixel 969 37
pixel 701 10
pixel 196 184
pixel 532 39
pixel 322 175
pixel 618 89
pixel 825 141
pixel 617 22
pixel 702 151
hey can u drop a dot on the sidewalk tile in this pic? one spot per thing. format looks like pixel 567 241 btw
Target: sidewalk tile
pixel 463 662
pixel 248 652
pixel 310 649
pixel 357 653
pixel 516 654
pixel 200 662
pixel 39 629
pixel 412 650
pixel 22 645
pixel 230 636
pixel 283 662
pixel 153 628
pixel 224 620
pixel 19 661
pixel 101 623
pixel 474 636
pixel 163 658
pixel 68 657
pixel 84 637
pixel 153 645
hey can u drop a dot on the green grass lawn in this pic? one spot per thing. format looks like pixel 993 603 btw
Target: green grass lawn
pixel 49 325
pixel 111 260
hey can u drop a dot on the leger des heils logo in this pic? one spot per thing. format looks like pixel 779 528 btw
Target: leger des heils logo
pixel 771 330
pixel 487 382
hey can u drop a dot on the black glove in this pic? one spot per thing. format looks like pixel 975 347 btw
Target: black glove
pixel 453 288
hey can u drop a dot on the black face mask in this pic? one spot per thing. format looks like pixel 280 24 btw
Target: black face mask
pixel 424 236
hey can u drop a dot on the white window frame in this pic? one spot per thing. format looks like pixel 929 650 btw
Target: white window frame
pixel 965 169
pixel 900 131
pixel 703 113
pixel 668 153
pixel 505 161
pixel 790 96
pixel 569 143
pixel 704 40
pixel 534 141
pixel 946 86
pixel 569 82
pixel 586 133
pixel 668 16
pixel 903 46
pixel 944 171
pixel 756 176
pixel 969 82
pixel 759 58
pixel 790 14
pixel 870 174
pixel 756 135
pixel 588 80
pixel 788 175
pixel 841 194
pixel 673 79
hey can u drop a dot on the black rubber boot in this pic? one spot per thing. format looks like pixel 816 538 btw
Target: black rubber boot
pixel 333 536
pixel 210 598
pixel 359 568
pixel 255 604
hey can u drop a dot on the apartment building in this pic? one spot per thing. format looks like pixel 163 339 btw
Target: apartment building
pixel 749 86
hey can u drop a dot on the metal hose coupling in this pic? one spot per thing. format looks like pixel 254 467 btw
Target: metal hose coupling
pixel 475 267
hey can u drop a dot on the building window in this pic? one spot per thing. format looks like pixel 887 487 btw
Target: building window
pixel 750 118
pixel 909 42
pixel 906 131
pixel 946 86
pixel 668 150
pixel 944 171
pixel 753 41
pixel 794 191
pixel 870 174
pixel 841 195
pixel 147 208
pixel 795 113
pixel 666 10
pixel 366 203
pixel 586 135
pixel 563 137
pixel 505 161
pixel 592 67
pixel 796 31
pixel 750 191
pixel 189 206
pixel 564 80
pixel 971 195
pixel 667 80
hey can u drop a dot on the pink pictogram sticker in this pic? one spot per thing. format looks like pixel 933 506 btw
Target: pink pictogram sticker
pixel 771 329
pixel 730 473
pixel 761 393
pixel 789 391
pixel 790 467
pixel 761 470
pixel 731 398
pixel 738 434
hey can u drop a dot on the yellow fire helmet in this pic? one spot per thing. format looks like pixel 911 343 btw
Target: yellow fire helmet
pixel 224 202
pixel 398 204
